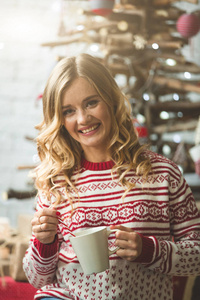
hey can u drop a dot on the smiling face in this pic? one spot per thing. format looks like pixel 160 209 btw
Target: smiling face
pixel 87 119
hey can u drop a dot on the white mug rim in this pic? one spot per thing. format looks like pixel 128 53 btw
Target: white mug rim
pixel 88 231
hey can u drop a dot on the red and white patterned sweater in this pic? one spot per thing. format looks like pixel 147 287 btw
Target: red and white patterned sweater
pixel 162 210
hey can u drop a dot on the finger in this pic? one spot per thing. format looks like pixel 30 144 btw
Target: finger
pixel 127 254
pixel 123 244
pixel 44 216
pixel 48 227
pixel 47 212
pixel 121 227
pixel 127 243
pixel 35 220
pixel 126 235
pixel 44 227
pixel 48 219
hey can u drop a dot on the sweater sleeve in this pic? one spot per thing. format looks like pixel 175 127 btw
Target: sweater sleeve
pixel 40 262
pixel 181 255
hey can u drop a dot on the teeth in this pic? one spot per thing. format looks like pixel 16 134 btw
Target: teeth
pixel 89 129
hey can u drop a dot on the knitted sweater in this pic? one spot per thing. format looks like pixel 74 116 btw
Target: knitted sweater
pixel 162 210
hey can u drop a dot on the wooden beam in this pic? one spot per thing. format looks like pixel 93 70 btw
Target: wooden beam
pixel 166 44
pixel 175 106
pixel 179 126
pixel 167 2
pixel 176 84
pixel 179 68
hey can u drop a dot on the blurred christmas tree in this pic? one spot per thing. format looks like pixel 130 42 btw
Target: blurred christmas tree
pixel 141 42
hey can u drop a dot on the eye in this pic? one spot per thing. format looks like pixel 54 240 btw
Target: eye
pixel 92 103
pixel 68 112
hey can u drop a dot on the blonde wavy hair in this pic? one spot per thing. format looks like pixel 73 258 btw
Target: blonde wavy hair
pixel 59 152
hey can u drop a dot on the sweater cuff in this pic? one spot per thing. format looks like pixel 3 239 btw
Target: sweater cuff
pixel 148 248
pixel 46 250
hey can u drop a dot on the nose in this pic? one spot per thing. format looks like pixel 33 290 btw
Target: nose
pixel 83 116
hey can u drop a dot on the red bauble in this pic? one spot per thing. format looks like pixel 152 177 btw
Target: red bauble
pixel 188 25
pixel 141 130
pixel 102 7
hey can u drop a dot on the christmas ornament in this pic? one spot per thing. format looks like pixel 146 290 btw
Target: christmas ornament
pixel 141 131
pixel 39 97
pixel 188 25
pixel 102 7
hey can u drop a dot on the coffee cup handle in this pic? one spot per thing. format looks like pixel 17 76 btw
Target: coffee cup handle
pixel 109 231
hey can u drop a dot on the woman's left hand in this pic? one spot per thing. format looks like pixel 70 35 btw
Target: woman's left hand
pixel 130 242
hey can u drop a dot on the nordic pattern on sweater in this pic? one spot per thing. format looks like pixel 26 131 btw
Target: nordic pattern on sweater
pixel 162 210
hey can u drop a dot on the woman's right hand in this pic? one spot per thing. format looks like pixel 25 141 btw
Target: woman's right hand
pixel 44 225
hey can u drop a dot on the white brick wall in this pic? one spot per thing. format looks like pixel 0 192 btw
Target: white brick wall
pixel 24 68
pixel 23 65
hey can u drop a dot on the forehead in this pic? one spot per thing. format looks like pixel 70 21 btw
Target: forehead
pixel 80 89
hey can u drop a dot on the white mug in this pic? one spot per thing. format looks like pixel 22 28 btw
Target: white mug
pixel 91 248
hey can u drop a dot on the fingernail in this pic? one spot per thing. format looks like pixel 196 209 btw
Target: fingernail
pixel 58 213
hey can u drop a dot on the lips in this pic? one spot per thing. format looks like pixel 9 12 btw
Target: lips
pixel 92 128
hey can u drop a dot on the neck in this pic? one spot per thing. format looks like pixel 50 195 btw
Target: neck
pixel 96 156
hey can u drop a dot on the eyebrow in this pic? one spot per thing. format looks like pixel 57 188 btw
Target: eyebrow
pixel 86 99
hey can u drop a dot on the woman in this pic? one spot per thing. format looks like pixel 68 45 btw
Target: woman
pixel 94 172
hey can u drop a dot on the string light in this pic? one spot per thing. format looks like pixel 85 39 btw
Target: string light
pixel 80 27
pixel 187 75
pixel 166 150
pixel 170 62
pixel 180 114
pixel 140 118
pixel 122 25
pixel 177 138
pixel 155 46
pixel 164 115
pixel 94 47
pixel 176 97
pixel 146 97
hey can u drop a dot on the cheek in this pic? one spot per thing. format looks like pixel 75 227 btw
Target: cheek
pixel 69 126
pixel 107 119
pixel 104 113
